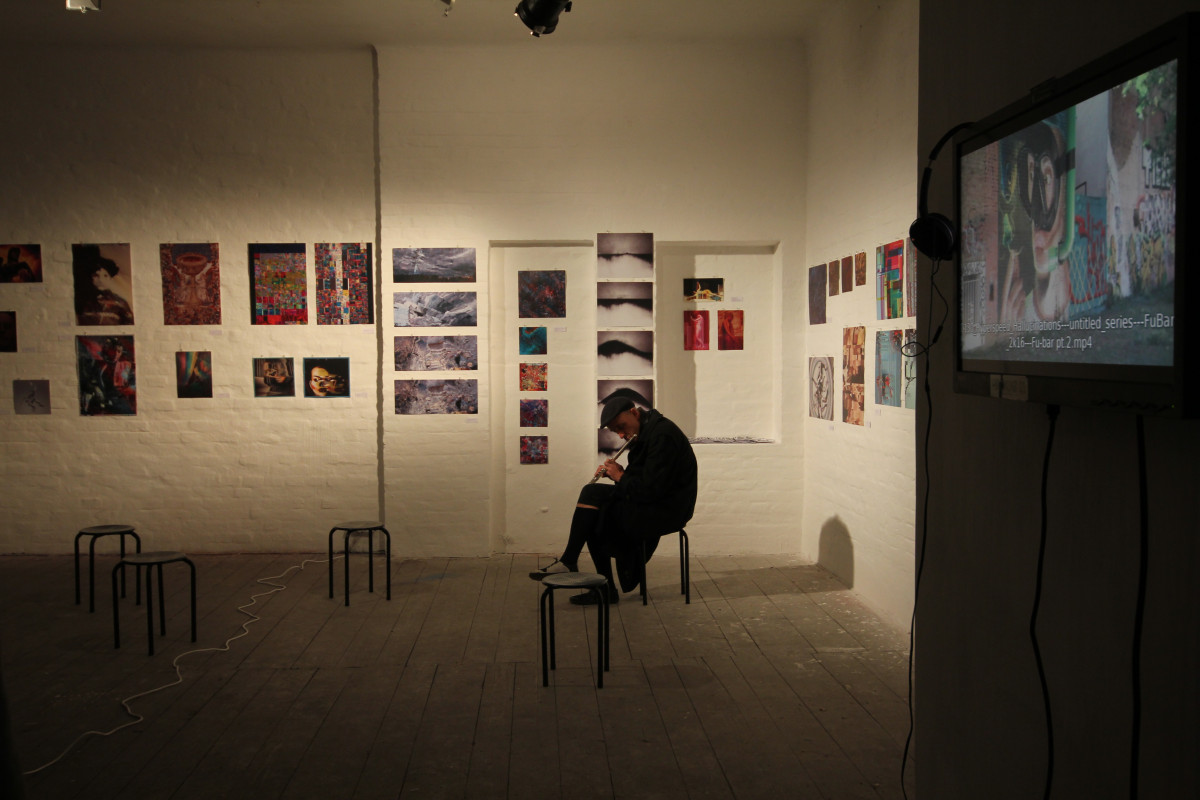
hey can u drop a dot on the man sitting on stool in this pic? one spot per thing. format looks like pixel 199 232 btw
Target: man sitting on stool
pixel 654 495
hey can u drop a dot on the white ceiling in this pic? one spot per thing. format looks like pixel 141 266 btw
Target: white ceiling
pixel 357 23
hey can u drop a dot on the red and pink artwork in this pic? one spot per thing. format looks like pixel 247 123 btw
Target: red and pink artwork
pixel 191 283
pixel 730 329
pixel 695 330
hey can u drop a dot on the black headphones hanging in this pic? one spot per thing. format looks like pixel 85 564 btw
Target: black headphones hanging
pixel 933 233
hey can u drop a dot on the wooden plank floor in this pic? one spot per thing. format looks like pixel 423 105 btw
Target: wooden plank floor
pixel 776 682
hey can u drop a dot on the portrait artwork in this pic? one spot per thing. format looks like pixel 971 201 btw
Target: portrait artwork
pixel 695 330
pixel 730 329
pixel 326 377
pixel 103 284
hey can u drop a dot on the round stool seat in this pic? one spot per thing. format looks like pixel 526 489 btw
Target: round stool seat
pixel 359 525
pixel 154 557
pixel 106 530
pixel 574 580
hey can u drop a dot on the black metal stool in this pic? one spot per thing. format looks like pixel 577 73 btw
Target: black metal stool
pixel 685 568
pixel 368 527
pixel 148 560
pixel 96 532
pixel 596 584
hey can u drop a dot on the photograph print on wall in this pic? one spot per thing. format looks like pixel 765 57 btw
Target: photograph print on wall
pixel 416 397
pixel 535 413
pixel 542 294
pixel 278 284
pixel 701 290
pixel 107 375
pixel 625 352
pixel 31 397
pixel 730 329
pixel 860 269
pixel 21 263
pixel 817 277
pixel 327 377
pixel 847 274
pixel 433 265
pixel 820 387
pixel 835 277
pixel 103 284
pixel 889 371
pixel 344 283
pixel 535 449
pixel 889 280
pixel 423 353
pixel 532 377
pixel 274 377
pixel 625 256
pixel 624 304
pixel 193 373
pixel 531 340
pixel 8 331
pixel 191 283
pixel 435 309
pixel 695 330
pixel 854 347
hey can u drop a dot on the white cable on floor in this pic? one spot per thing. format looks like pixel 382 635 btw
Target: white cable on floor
pixel 278 587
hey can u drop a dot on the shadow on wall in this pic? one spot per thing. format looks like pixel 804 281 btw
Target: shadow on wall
pixel 835 551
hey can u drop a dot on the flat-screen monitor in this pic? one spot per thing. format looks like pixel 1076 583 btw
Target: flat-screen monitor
pixel 1074 221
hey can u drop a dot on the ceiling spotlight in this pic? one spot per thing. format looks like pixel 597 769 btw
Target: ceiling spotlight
pixel 449 7
pixel 541 16
pixel 83 6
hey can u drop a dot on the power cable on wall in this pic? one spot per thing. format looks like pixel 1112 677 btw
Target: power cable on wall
pixel 136 718
pixel 913 350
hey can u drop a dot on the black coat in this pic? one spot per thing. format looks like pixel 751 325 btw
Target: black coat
pixel 656 494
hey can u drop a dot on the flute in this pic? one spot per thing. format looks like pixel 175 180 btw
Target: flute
pixel 628 442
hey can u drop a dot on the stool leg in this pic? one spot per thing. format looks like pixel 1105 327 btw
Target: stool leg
pixel 601 601
pixel 150 607
pixel 116 613
pixel 346 558
pixel 331 532
pixel 137 576
pixel 686 557
pixel 92 575
pixel 553 644
pixel 122 537
pixel 193 569
pixel 370 561
pixel 162 606
pixel 78 598
pixel 388 538
pixel 607 626
pixel 542 619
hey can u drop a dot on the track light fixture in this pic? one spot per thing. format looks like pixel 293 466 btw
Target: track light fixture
pixel 83 6
pixel 541 16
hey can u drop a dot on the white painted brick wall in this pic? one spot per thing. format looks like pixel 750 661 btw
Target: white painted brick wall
pixel 479 145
